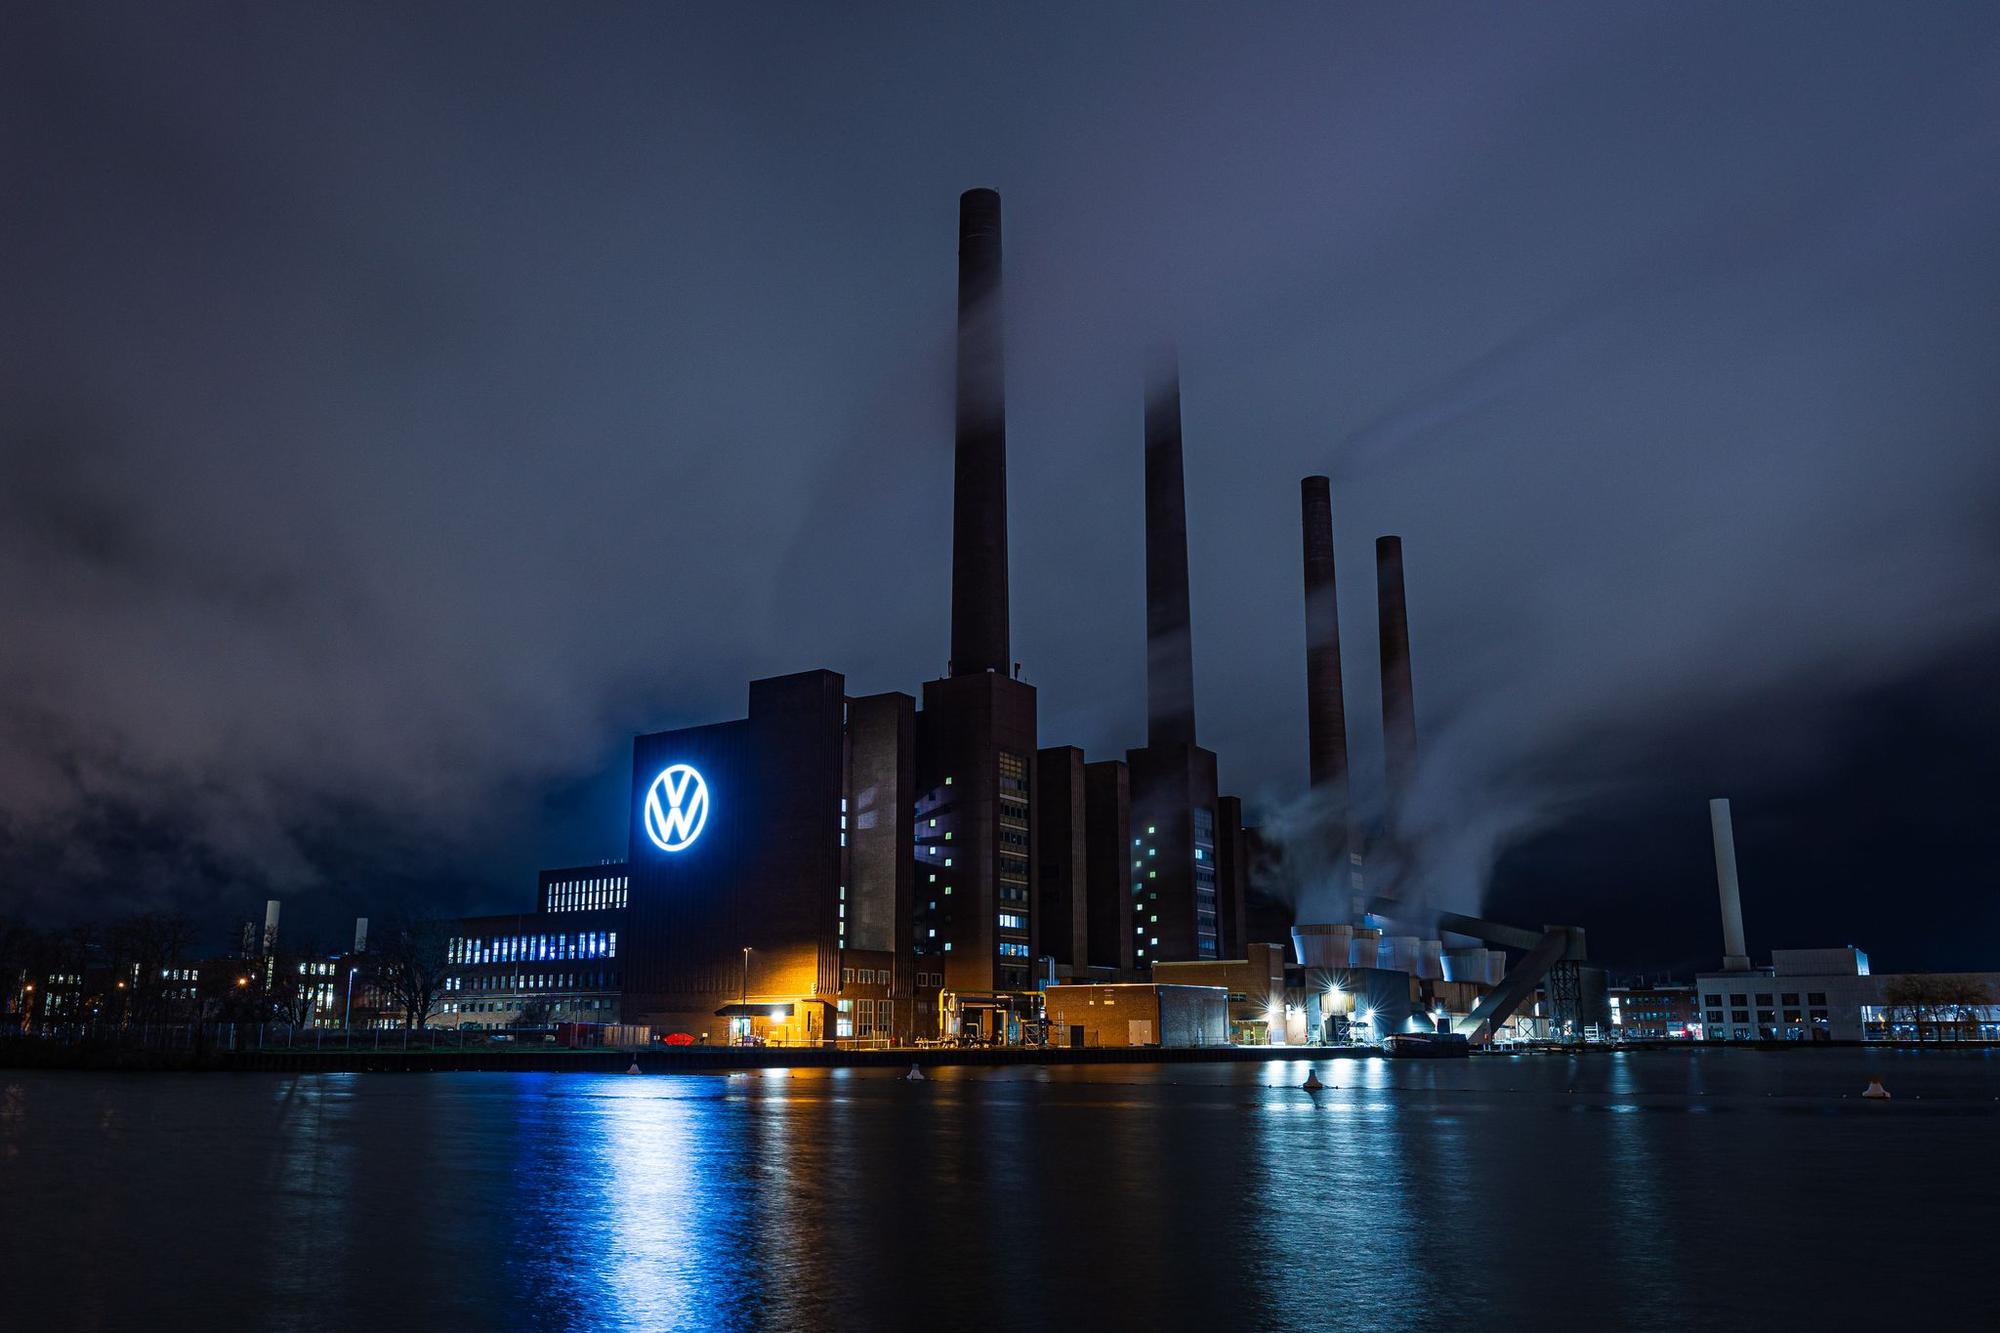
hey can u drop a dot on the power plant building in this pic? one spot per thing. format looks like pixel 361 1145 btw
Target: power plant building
pixel 751 886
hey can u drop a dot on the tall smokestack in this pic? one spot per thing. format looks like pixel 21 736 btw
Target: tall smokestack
pixel 1399 706
pixel 979 502
pixel 1735 958
pixel 1169 648
pixel 270 925
pixel 1326 712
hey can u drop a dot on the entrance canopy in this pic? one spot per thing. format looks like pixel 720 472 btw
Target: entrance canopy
pixel 783 1009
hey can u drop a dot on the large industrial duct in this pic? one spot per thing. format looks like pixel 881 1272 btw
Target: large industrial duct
pixel 1169 647
pixel 979 501
pixel 1399 710
pixel 1326 714
pixel 1735 957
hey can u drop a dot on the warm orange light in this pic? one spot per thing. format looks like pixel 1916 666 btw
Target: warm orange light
pixel 242 981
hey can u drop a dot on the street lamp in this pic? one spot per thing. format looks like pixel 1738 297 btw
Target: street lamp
pixel 348 1021
pixel 745 1006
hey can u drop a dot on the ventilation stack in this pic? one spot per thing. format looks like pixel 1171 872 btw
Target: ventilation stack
pixel 1399 709
pixel 1326 712
pixel 1169 647
pixel 979 497
pixel 1735 957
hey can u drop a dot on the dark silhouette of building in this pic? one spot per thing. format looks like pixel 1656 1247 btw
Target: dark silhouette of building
pixel 750 890
pixel 1062 905
pixel 1110 885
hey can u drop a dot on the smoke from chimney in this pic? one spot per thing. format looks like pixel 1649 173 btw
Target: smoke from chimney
pixel 1169 646
pixel 979 500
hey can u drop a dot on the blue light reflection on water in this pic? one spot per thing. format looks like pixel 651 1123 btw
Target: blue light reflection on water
pixel 1405 1194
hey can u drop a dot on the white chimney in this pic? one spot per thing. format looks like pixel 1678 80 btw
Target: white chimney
pixel 270 925
pixel 1735 958
pixel 361 934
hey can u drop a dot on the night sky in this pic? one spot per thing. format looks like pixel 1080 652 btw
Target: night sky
pixel 401 407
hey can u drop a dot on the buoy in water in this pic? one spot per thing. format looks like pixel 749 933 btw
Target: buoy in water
pixel 1876 1091
pixel 635 1068
pixel 915 1075
pixel 1312 1083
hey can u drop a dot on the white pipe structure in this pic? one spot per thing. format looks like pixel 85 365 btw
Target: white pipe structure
pixel 1735 958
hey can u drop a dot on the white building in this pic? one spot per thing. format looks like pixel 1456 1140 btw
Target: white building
pixel 1823 995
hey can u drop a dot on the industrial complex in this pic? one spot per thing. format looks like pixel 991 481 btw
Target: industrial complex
pixel 899 868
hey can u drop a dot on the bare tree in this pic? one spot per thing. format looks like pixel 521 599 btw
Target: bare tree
pixel 407 964
pixel 1939 1004
pixel 20 948
pixel 294 987
pixel 144 950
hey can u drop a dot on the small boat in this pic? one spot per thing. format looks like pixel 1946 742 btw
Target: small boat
pixel 1426 1046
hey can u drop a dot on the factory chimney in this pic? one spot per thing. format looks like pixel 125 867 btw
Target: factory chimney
pixel 1169 649
pixel 270 926
pixel 979 502
pixel 1734 956
pixel 361 934
pixel 1399 708
pixel 1326 714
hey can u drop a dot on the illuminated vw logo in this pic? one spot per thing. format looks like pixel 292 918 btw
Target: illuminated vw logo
pixel 676 808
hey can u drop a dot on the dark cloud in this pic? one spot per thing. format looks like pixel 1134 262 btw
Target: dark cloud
pixel 399 409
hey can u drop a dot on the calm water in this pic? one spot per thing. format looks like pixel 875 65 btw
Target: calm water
pixel 1645 1190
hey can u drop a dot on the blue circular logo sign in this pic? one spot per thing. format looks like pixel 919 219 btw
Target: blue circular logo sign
pixel 676 808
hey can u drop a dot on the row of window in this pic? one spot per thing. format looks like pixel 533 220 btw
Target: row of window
pixel 587 895
pixel 864 1018
pixel 1791 999
pixel 507 1006
pixel 535 948
pixel 535 981
pixel 866 976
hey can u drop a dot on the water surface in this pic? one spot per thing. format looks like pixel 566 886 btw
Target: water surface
pixel 1647 1190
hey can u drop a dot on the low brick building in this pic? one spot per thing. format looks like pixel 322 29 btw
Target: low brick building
pixel 1137 1015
